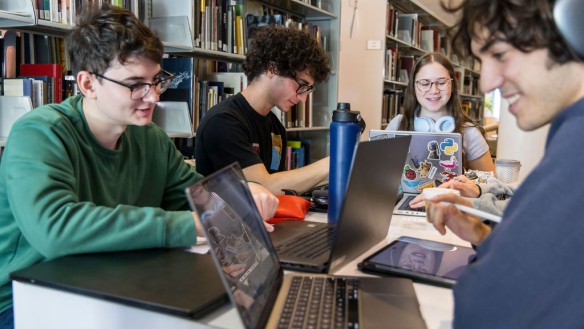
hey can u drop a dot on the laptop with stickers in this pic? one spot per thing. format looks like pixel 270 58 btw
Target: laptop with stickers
pixel 433 158
pixel 263 295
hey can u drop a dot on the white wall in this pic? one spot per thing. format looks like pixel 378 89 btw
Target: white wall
pixel 514 143
pixel 361 70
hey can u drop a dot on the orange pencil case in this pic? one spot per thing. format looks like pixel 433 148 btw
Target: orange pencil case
pixel 291 207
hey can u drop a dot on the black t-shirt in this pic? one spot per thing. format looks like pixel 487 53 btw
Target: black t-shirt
pixel 233 131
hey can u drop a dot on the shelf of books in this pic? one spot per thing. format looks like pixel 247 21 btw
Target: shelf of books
pixel 54 17
pixel 412 30
pixel 209 40
pixel 205 42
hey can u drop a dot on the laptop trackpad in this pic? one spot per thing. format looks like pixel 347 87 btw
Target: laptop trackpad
pixel 391 303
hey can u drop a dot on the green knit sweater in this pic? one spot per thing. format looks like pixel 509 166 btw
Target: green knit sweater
pixel 62 193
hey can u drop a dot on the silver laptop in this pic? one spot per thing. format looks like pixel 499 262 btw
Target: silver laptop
pixel 364 219
pixel 433 158
pixel 264 297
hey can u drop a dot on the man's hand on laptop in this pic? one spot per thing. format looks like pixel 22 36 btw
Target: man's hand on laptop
pixel 265 201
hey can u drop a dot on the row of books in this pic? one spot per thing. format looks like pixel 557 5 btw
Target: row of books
pixel 410 29
pixel 43 83
pixel 471 85
pixel 391 104
pixel 212 24
pixel 219 26
pixel 223 25
pixel 398 67
pixel 20 48
pixel 467 84
pixel 299 115
pixel 259 15
pixel 473 108
pixel 200 92
pixel 66 11
pixel 297 153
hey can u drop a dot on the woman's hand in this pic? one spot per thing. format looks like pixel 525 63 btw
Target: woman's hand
pixel 467 187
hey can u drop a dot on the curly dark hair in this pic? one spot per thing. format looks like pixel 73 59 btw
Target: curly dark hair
pixel 107 33
pixel 525 24
pixel 454 106
pixel 286 51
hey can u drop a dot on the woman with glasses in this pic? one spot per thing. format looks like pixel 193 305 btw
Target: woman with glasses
pixel 432 103
pixel 282 67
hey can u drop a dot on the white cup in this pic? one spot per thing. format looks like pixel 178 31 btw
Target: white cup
pixel 431 192
pixel 507 170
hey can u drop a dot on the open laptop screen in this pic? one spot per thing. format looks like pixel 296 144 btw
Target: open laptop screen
pixel 433 158
pixel 245 257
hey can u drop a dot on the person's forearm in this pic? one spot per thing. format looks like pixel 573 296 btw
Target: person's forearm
pixel 300 179
pixel 488 202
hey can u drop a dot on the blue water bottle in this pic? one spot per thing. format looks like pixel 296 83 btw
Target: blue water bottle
pixel 346 129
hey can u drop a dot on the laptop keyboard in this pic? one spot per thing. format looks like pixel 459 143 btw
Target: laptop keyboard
pixel 309 246
pixel 321 302
pixel 406 204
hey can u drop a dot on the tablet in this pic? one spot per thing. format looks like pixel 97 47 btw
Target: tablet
pixel 422 260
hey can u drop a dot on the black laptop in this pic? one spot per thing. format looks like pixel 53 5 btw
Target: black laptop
pixel 364 219
pixel 264 297
pixel 170 281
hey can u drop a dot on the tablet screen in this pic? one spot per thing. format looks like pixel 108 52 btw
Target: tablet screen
pixel 425 260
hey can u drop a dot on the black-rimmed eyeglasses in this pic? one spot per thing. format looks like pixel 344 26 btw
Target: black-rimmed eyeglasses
pixel 140 90
pixel 303 87
pixel 425 85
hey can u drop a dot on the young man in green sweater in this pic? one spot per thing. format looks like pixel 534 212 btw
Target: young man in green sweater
pixel 92 174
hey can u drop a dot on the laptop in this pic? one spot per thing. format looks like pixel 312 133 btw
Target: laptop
pixel 263 296
pixel 170 281
pixel 433 158
pixel 364 218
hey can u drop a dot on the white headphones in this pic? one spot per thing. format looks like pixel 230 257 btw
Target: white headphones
pixel 444 124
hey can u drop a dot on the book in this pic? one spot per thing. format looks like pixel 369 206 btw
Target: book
pixel 235 80
pixel 306 143
pixel 17 87
pixel 253 22
pixel 42 49
pixel 220 85
pixel 9 54
pixel 70 87
pixel 182 85
pixel 407 28
pixel 296 154
pixel 406 64
pixel 47 94
pixel 51 70
pixel 239 35
pixel 427 39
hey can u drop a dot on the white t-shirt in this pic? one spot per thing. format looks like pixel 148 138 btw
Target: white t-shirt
pixel 474 144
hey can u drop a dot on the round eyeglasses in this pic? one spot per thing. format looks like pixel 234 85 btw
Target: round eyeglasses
pixel 425 85
pixel 140 90
pixel 303 87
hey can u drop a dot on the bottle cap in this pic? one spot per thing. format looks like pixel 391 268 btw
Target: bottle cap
pixel 343 113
